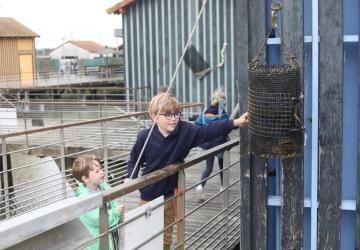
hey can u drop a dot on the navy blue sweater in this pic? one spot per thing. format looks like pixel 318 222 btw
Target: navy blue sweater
pixel 162 151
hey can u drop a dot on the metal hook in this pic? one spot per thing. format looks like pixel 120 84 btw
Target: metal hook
pixel 275 7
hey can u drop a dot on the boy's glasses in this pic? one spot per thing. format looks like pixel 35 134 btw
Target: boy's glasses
pixel 170 116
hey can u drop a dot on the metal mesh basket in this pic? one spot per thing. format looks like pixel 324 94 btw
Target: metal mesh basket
pixel 274 92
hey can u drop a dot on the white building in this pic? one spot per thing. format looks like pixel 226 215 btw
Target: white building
pixel 77 50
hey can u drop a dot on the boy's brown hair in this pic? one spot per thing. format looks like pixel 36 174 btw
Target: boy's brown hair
pixel 82 166
pixel 170 105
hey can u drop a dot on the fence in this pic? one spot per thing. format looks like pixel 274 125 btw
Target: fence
pixel 56 78
pixel 219 229
pixel 35 163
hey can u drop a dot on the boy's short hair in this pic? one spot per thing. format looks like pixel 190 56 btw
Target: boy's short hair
pixel 82 166
pixel 170 105
pixel 215 97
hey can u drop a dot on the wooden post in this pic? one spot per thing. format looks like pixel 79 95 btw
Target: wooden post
pixel 330 122
pixel 180 211
pixel 258 199
pixel 241 59
pixel 105 149
pixel 258 177
pixel 104 227
pixel 225 203
pixel 62 160
pixel 292 179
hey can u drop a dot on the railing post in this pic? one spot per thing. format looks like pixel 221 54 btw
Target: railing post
pixel 26 109
pixel 61 115
pixel 225 202
pixel 26 135
pixel 180 210
pixel 6 180
pixel 104 227
pixel 105 149
pixel 62 159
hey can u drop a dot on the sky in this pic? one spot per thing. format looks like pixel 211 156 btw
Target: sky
pixel 62 20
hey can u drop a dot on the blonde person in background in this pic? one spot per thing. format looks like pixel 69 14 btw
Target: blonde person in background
pixel 216 111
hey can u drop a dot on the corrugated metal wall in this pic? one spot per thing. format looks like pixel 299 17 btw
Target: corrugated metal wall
pixel 155 33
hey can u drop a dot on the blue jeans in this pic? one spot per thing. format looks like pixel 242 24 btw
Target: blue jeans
pixel 209 168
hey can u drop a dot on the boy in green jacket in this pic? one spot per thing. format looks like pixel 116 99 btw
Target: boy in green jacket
pixel 87 170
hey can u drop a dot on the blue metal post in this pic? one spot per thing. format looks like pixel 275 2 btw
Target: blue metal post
pixel 315 122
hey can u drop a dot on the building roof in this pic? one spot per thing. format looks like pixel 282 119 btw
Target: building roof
pixel 90 46
pixel 9 27
pixel 120 8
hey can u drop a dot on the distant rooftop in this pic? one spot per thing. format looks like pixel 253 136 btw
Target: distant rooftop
pixel 89 46
pixel 9 27
pixel 120 8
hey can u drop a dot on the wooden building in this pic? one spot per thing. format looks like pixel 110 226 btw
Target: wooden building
pixel 17 54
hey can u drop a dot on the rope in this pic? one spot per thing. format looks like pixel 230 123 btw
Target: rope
pixel 168 89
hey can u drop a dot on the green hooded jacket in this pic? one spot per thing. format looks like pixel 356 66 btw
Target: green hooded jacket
pixel 91 219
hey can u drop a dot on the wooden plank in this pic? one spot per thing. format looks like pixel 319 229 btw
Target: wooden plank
pixel 258 198
pixel 249 34
pixel 180 211
pixel 241 58
pixel 292 179
pixel 330 122
pixel 240 71
pixel 258 178
pixel 292 210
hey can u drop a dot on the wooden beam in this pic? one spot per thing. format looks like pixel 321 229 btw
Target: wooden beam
pixel 330 122
pixel 292 179
pixel 258 197
pixel 241 59
pixel 249 34
pixel 258 176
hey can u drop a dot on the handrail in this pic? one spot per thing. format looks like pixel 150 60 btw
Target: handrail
pixel 61 87
pixel 108 102
pixel 155 176
pixel 20 228
pixel 74 124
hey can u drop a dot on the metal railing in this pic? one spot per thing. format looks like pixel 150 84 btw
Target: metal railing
pixel 36 163
pixel 218 230
pixel 57 78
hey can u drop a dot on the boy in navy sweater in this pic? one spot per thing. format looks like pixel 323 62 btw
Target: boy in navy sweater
pixel 169 143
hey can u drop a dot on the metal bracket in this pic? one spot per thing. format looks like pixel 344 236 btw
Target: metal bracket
pixel 148 212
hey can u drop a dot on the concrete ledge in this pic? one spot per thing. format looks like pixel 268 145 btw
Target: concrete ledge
pixel 28 225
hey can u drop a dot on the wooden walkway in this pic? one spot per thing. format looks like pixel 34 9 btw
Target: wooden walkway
pixel 209 210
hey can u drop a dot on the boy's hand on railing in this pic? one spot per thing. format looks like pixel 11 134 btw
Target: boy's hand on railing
pixel 121 208
pixel 242 120
pixel 126 180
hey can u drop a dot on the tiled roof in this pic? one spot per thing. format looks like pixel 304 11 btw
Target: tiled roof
pixel 120 8
pixel 9 27
pixel 90 46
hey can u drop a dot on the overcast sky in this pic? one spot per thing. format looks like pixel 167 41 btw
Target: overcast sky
pixel 55 20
